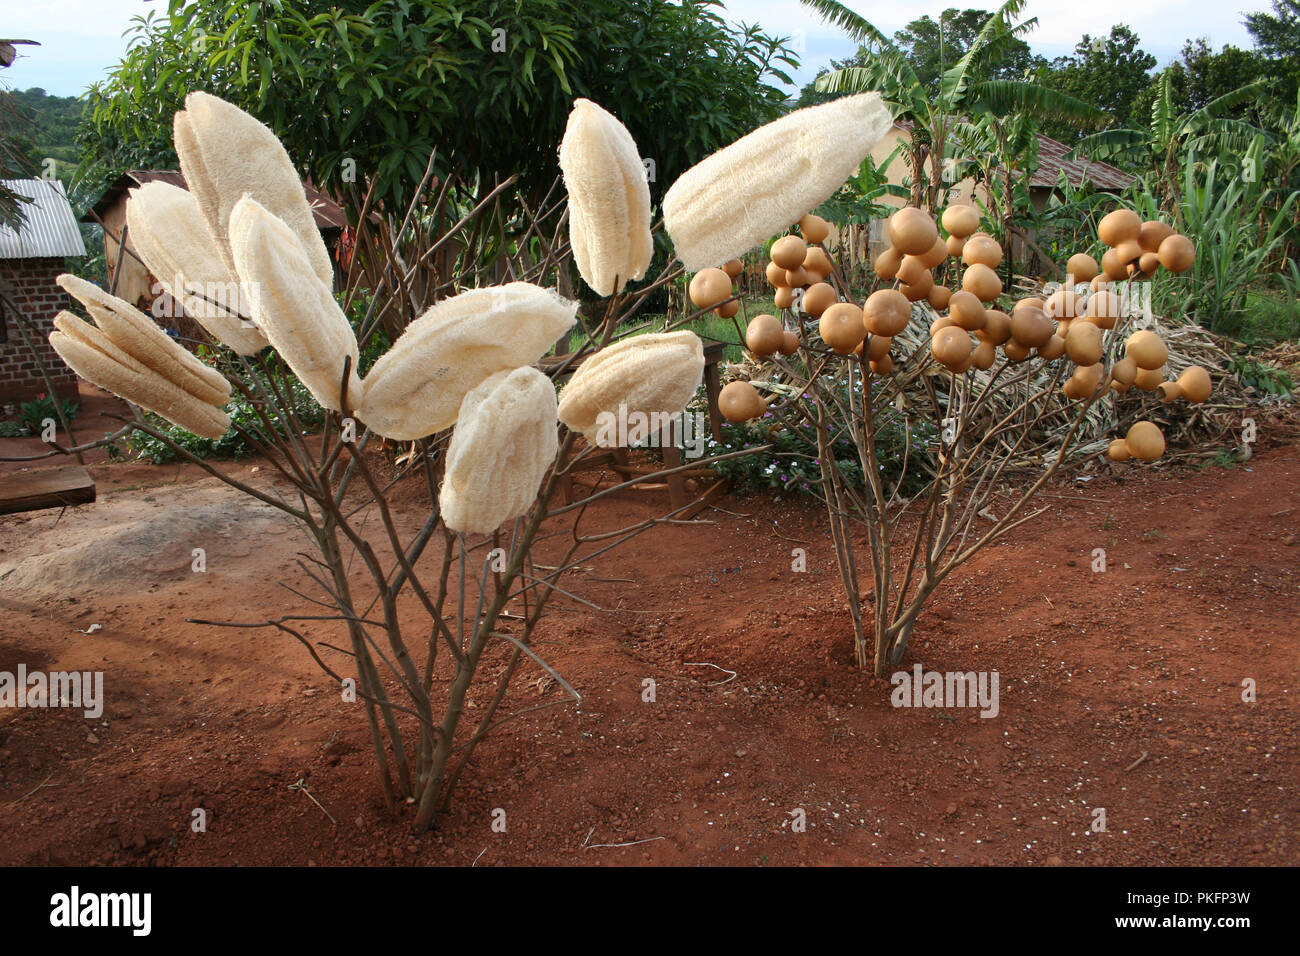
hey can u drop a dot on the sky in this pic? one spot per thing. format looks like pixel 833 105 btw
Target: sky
pixel 81 39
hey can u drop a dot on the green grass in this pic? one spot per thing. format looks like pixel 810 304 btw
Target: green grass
pixel 1271 317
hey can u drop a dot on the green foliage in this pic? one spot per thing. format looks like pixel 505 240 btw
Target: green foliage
pixel 792 465
pixel 933 46
pixel 232 444
pixel 489 83
pixel 1109 72
pixel 12 430
pixel 1237 238
pixel 857 201
pixel 33 414
pixel 1261 376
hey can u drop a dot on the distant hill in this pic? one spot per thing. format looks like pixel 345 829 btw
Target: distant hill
pixel 43 128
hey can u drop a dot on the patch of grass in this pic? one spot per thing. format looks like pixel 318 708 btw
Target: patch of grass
pixel 1222 459
pixel 1271 317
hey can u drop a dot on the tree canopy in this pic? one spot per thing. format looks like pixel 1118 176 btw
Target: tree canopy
pixel 376 86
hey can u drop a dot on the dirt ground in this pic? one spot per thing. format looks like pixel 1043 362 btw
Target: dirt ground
pixel 1120 691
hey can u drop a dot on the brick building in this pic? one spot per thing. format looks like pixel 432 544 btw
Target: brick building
pixel 31 257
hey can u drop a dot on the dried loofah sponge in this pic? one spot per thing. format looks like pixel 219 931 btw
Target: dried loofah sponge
pixel 764 182
pixel 169 233
pixel 225 154
pixel 416 388
pixel 291 306
pixel 96 358
pixel 609 199
pixel 504 442
pixel 655 373
pixel 139 336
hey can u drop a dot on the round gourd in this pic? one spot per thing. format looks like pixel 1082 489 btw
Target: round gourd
pixel 814 228
pixel 1030 302
pixel 1119 226
pixel 1063 304
pixel 967 310
pixel 1146 441
pixel 938 252
pixel 1083 343
pixel 817 262
pixel 983 356
pixel 1128 252
pixel 982 281
pixel 842 327
pixel 997 326
pixel 982 250
pixel 960 220
pixel 733 268
pixel 1031 328
pixel 1124 371
pixel 1117 450
pixel 942 322
pixel 951 347
pixel 783 297
pixel 912 231
pixel 709 287
pixel 775 275
pixel 939 297
pixel 916 291
pixel 1149 379
pixel 909 273
pixel 883 365
pixel 1146 349
pixel 887 264
pixel 1169 391
pixel 788 252
pixel 1195 384
pixel 1148 263
pixel 886 312
pixel 1113 269
pixel 798 278
pixel 789 343
pixel 1053 349
pixel 818 298
pixel 764 334
pixel 1081 267
pixel 1152 233
pixel 728 309
pixel 878 345
pixel 1014 351
pixel 740 402
pixel 954 245
pixel 1103 309
pixel 1100 283
pixel 1177 254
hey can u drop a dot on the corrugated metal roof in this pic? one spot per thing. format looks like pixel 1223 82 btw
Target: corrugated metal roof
pixel 328 214
pixel 49 228
pixel 1052 162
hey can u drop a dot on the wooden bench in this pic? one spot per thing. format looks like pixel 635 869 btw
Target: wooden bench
pixel 48 488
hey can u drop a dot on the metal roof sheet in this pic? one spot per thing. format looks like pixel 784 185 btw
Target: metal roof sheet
pixel 49 229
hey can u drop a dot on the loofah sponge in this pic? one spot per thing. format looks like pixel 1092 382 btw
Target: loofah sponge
pixel 98 359
pixel 609 199
pixel 139 336
pixel 291 306
pixel 416 388
pixel 758 186
pixel 169 233
pixel 655 373
pixel 504 442
pixel 225 154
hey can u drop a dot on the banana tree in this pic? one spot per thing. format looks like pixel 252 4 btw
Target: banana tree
pixel 961 92
pixel 1162 148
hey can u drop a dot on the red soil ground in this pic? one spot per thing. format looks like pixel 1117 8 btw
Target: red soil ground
pixel 1119 690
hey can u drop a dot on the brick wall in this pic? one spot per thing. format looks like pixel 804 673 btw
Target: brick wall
pixel 30 285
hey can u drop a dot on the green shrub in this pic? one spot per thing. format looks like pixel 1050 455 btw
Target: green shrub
pixel 12 430
pixel 33 414
pixel 232 444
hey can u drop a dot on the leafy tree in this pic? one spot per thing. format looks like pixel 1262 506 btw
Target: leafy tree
pixel 933 46
pixel 1277 40
pixel 1201 76
pixel 376 86
pixel 1162 147
pixel 961 91
pixel 1110 72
